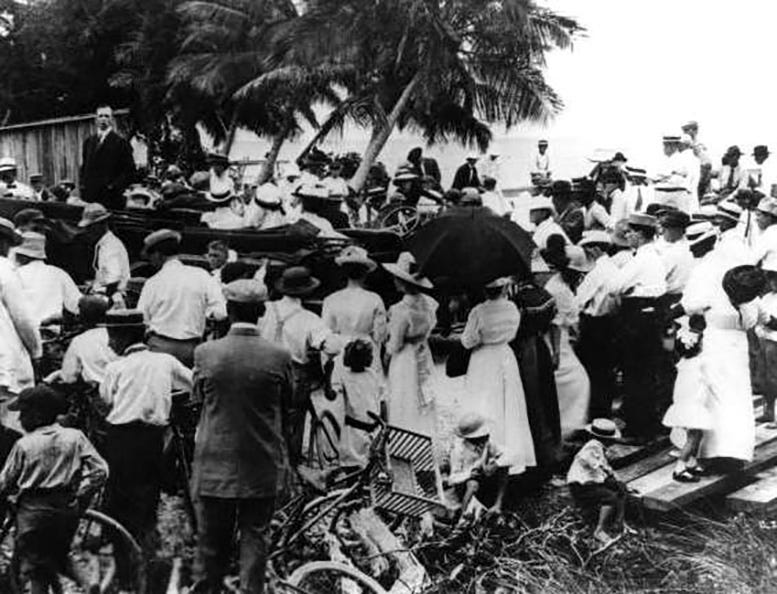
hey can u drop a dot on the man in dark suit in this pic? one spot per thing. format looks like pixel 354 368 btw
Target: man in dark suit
pixel 107 166
pixel 570 215
pixel 467 175
pixel 245 385
pixel 425 168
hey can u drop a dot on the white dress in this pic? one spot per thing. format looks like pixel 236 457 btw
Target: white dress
pixel 572 383
pixel 725 360
pixel 493 383
pixel 411 371
pixel 353 313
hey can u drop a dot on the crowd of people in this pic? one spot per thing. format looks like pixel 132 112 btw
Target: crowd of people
pixel 646 311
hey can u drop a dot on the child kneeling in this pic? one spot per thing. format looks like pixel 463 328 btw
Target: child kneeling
pixel 53 471
pixel 477 465
pixel 594 484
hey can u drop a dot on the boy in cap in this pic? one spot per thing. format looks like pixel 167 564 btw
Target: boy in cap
pixel 477 465
pixel 595 486
pixel 303 333
pixel 178 299
pixel 137 390
pixel 53 471
pixel 245 386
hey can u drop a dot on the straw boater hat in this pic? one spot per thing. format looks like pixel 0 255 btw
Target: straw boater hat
pixel 542 143
pixel 605 428
pixel 33 245
pixel 158 237
pixel 123 318
pixel 541 203
pixel 312 191
pixel 690 125
pixel 471 426
pixel 472 157
pixel 730 210
pixel 470 197
pixel 671 139
pixel 405 175
pixel 39 176
pixel 768 205
pixel 699 233
pixel 8 231
pixel 93 213
pixel 297 281
pixel 639 219
pixel 497 283
pixel 353 254
pixel 7 164
pixel 406 269
pixel 268 195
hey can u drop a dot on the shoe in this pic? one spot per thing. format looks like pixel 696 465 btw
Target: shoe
pixel 685 476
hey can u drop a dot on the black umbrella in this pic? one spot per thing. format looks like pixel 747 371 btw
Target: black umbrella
pixel 471 246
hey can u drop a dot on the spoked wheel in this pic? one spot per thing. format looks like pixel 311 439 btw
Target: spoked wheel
pixel 328 576
pixel 100 545
pixel 403 218
pixel 324 440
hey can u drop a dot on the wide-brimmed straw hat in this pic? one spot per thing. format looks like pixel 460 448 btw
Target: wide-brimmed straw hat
pixel 94 212
pixel 297 281
pixel 33 245
pixel 8 230
pixel 406 269
pixel 7 164
pixel 604 428
pixel 471 426
pixel 353 254
pixel 595 237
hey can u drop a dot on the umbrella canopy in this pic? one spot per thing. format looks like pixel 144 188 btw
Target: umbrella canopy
pixel 471 246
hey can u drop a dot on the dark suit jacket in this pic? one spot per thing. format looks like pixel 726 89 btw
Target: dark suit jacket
pixel 572 221
pixel 107 169
pixel 466 177
pixel 245 385
pixel 428 168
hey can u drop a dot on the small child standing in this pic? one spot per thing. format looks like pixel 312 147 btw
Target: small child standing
pixel 478 467
pixel 594 484
pixel 361 391
pixel 52 471
pixel 767 337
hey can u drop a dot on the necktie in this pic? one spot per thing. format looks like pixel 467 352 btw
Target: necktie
pixel 730 183
pixel 638 205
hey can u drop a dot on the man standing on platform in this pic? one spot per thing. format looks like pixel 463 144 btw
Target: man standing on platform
pixel 178 299
pixel 107 167
pixel 641 286
pixel 245 385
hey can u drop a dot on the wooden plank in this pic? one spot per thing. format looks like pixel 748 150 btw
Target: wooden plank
pixel 661 492
pixel 758 496
pixel 646 466
pixel 621 455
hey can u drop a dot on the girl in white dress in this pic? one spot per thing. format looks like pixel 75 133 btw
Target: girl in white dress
pixel 411 368
pixel 494 387
pixel 354 312
pixel 572 382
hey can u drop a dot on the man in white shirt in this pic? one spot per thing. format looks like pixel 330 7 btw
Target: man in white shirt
pixel 88 354
pixel 334 182
pixel 675 252
pixel 48 290
pixel 177 301
pixel 111 260
pixel 10 187
pixel 760 172
pixel 598 310
pixel 765 248
pixel 636 197
pixel 138 389
pixel 304 334
pixel 691 129
pixel 641 285
pixel 731 242
pixel 541 162
pixel 20 344
pixel 492 198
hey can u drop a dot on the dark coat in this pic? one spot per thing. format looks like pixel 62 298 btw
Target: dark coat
pixel 429 168
pixel 466 177
pixel 572 221
pixel 245 385
pixel 107 169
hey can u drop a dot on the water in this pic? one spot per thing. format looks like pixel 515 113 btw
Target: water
pixel 569 156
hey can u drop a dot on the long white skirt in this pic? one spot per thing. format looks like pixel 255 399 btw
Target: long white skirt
pixel 494 389
pixel 407 407
pixel 573 387
pixel 690 399
pixel 727 370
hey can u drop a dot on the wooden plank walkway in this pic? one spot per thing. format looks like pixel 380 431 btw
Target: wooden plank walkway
pixel 657 489
pixel 759 496
pixel 621 455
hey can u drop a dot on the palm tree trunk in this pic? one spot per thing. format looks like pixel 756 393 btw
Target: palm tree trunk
pixel 268 167
pixel 231 131
pixel 320 134
pixel 381 134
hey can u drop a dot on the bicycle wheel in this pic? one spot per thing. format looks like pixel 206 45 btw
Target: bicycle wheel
pixel 402 218
pixel 326 576
pixel 324 440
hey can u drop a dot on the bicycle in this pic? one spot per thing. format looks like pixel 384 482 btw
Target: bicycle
pixel 179 449
pixel 95 546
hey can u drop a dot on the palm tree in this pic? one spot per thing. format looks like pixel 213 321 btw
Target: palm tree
pixel 445 68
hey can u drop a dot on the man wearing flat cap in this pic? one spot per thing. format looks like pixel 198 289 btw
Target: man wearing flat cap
pixel 107 165
pixel 20 343
pixel 137 390
pixel 641 287
pixel 245 384
pixel 675 252
pixel 177 301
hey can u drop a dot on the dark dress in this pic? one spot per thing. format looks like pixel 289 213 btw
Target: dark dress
pixel 536 367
